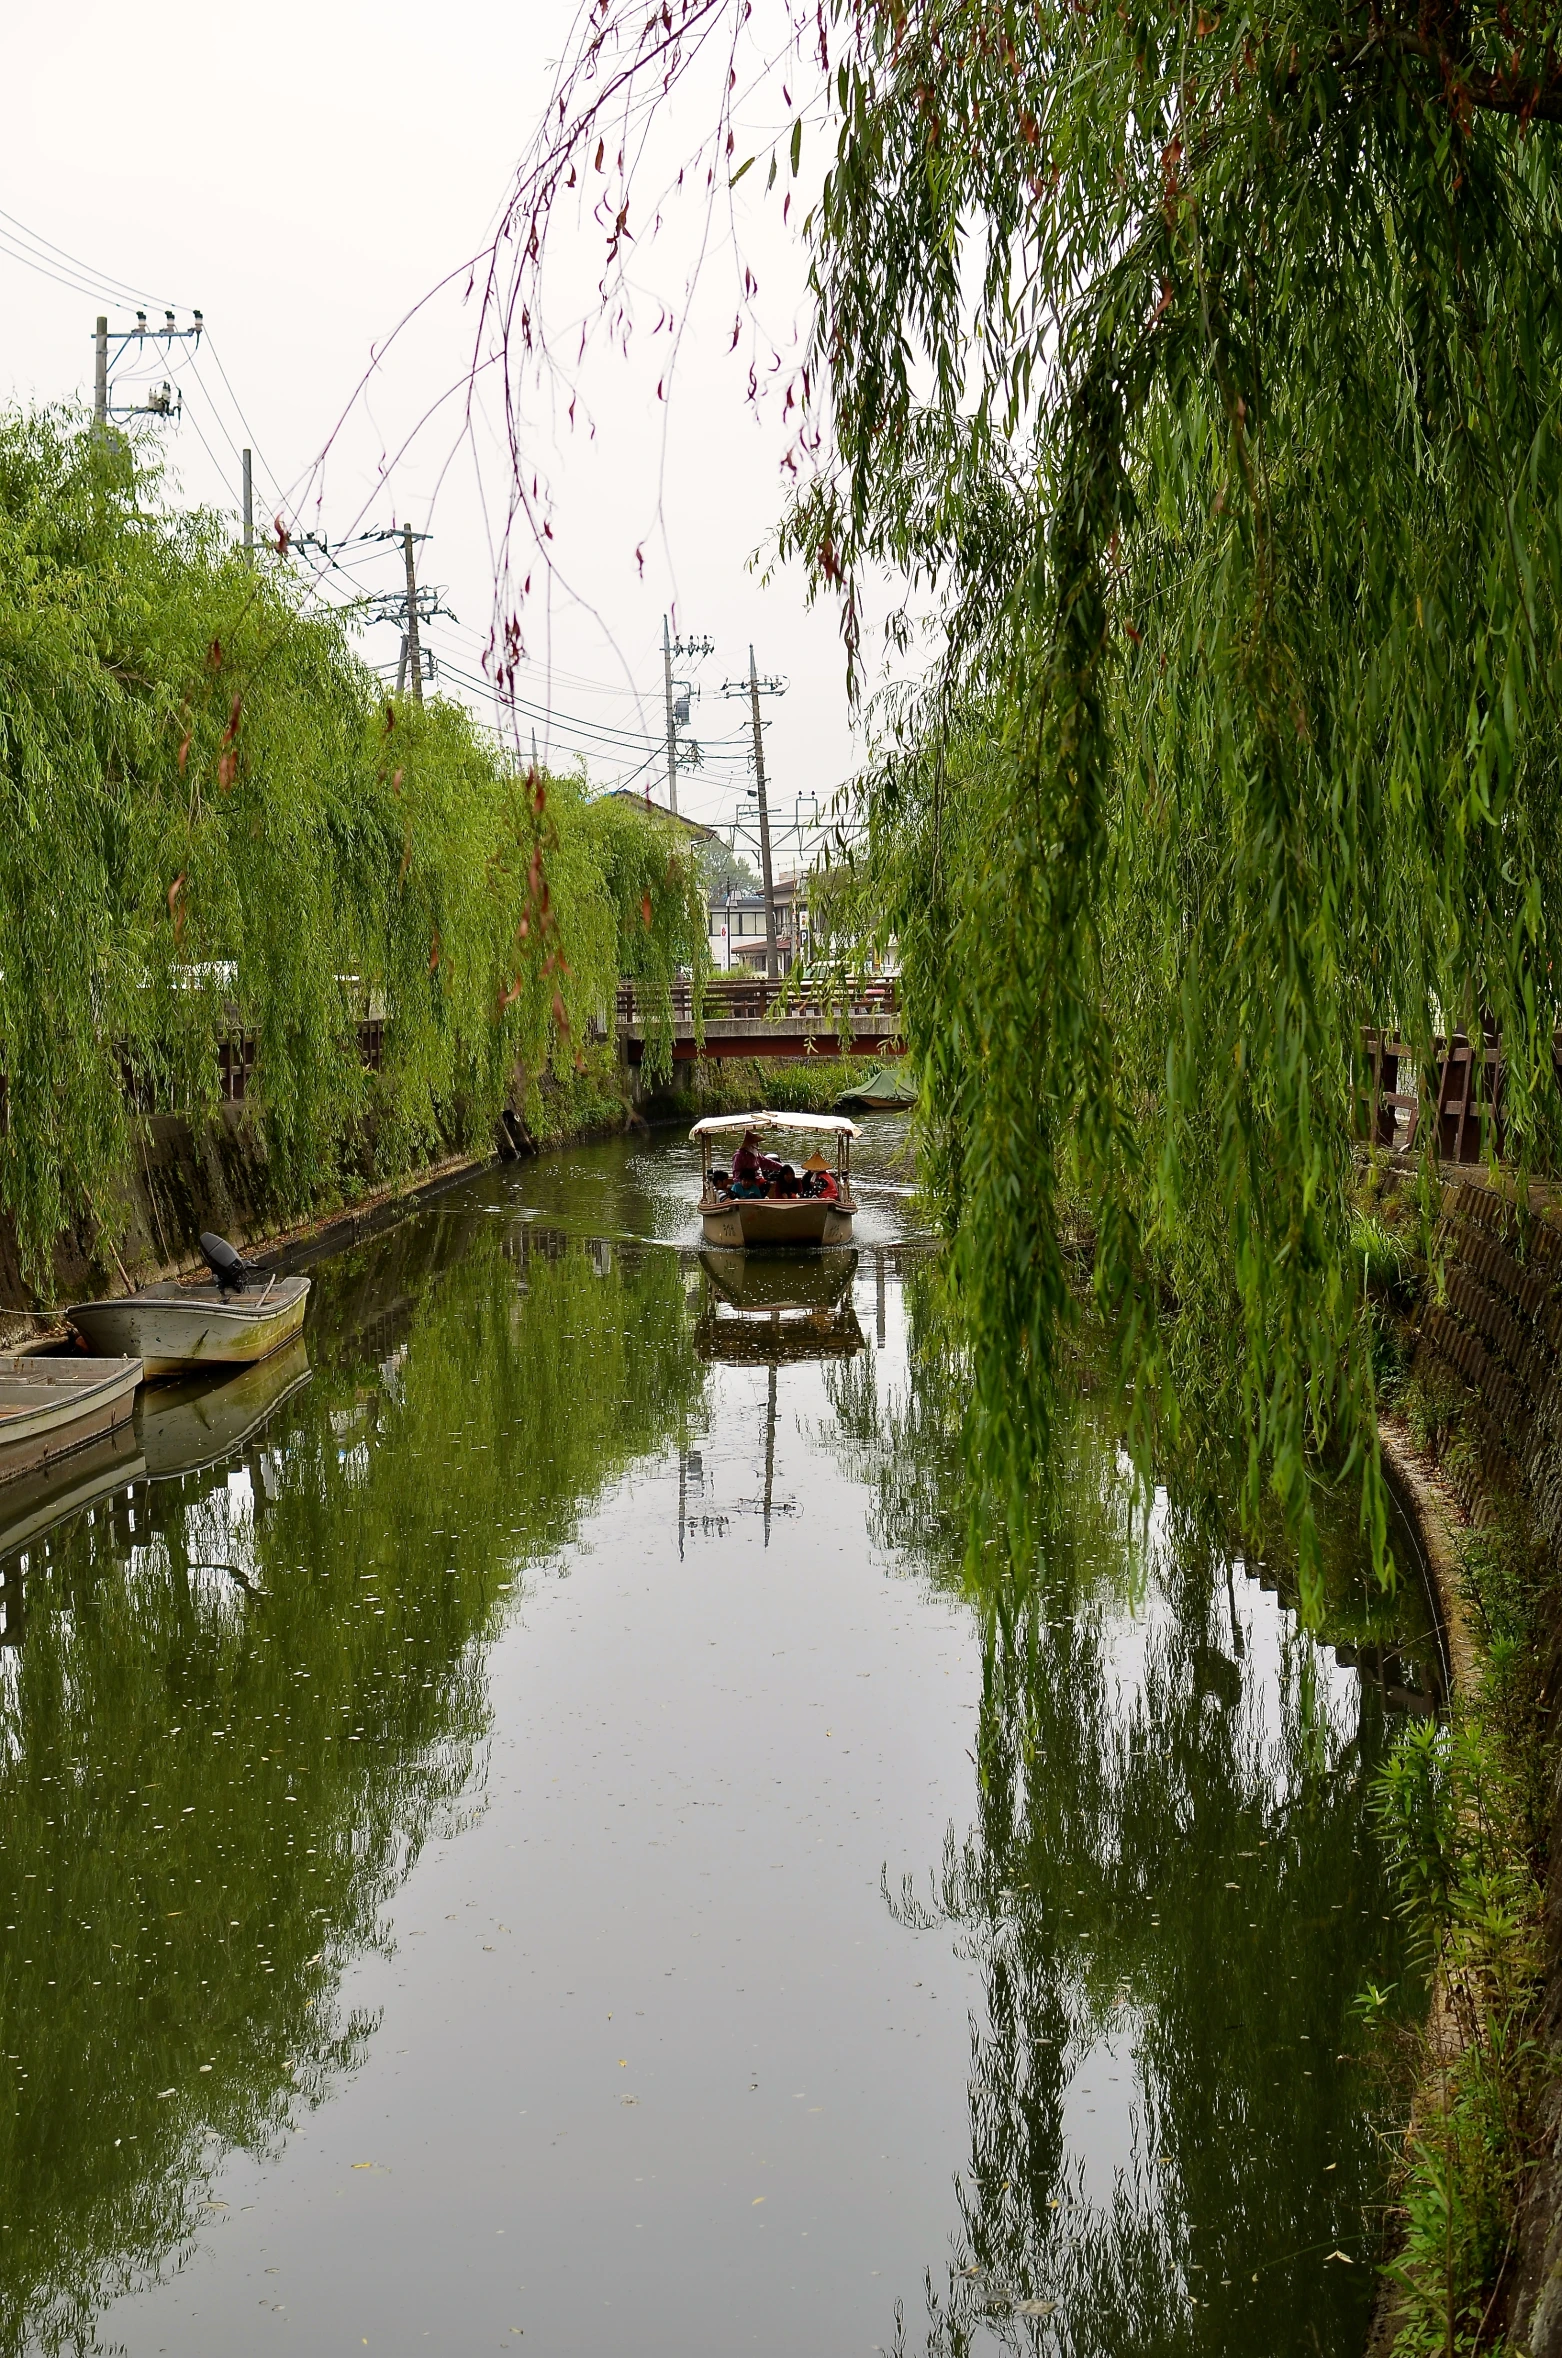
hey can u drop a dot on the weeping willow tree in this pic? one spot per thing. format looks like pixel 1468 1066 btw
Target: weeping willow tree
pixel 1194 370
pixel 214 823
pixel 1237 491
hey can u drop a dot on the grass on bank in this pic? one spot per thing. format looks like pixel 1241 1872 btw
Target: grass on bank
pixel 782 1084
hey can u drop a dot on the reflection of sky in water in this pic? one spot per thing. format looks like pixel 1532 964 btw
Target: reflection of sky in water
pixel 619 2041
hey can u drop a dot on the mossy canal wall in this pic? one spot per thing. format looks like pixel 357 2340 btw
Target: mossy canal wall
pixel 216 1175
pixel 1477 1452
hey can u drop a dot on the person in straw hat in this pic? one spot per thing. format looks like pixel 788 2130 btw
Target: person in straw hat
pixel 821 1176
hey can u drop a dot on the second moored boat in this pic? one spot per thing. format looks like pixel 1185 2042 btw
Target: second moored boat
pixel 215 1322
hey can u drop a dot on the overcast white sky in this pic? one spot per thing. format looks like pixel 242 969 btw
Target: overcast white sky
pixel 305 174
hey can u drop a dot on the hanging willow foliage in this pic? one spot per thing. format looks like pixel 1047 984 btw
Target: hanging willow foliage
pixel 1200 371
pixel 212 822
pixel 1195 370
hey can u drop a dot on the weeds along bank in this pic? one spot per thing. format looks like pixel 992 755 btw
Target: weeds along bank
pixel 1467 1309
pixel 735 1084
pixel 217 828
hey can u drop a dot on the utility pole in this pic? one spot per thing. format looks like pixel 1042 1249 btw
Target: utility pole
pixel 753 688
pixel 407 607
pixel 161 401
pixel 764 824
pixel 249 509
pixel 672 732
pixel 677 706
pixel 411 652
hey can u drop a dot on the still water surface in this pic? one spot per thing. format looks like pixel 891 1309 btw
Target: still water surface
pixel 493 1855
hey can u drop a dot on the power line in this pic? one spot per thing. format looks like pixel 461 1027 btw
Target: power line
pixel 254 440
pixel 620 741
pixel 98 282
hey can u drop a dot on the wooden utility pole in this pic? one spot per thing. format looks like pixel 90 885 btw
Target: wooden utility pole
pixel 412 653
pixel 249 509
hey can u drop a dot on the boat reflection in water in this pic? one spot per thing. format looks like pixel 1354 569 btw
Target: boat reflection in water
pixel 193 1423
pixel 772 1311
pixel 762 1310
pixel 179 1429
pixel 32 1506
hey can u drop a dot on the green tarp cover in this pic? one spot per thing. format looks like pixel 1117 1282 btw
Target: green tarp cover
pixel 890 1085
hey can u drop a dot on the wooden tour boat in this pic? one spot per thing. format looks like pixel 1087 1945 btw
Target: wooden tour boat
pixel 747 1221
pixel 49 1407
pixel 179 1326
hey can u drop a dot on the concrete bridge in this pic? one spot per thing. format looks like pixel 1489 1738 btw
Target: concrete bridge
pixel 747 1016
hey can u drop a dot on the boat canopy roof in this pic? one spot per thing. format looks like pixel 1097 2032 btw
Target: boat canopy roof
pixel 836 1125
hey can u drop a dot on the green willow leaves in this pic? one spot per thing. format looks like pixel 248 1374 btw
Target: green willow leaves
pixel 212 822
pixel 1196 372
pixel 1189 374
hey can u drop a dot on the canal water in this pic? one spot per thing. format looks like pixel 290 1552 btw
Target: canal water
pixel 518 1830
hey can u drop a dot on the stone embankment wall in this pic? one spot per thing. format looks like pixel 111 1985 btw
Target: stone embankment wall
pixel 1499 1332
pixel 214 1175
pixel 1493 1342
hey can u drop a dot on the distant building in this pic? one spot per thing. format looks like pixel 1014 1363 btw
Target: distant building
pixel 737 927
pixel 689 827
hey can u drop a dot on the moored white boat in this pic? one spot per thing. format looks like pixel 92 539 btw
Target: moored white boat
pixel 746 1221
pixel 176 1326
pixel 49 1407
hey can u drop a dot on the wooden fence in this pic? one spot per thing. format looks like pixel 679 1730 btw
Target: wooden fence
pixel 1461 1092
pixel 747 998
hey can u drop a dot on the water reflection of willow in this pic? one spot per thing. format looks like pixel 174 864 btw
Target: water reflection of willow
pixel 210 1786
pixel 1172 1877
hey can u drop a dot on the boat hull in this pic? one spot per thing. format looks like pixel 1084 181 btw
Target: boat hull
pixel 49 1407
pixel 746 1221
pixel 169 1327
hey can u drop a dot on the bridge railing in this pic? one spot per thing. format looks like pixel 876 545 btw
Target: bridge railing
pixel 740 998
pixel 1462 1093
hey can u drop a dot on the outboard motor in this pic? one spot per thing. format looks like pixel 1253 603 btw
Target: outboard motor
pixel 229 1269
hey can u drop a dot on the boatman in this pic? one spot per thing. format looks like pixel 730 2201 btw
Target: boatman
pixel 823 1178
pixel 746 1162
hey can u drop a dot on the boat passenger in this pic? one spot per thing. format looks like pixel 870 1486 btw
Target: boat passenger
pixel 721 1182
pixel 821 1179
